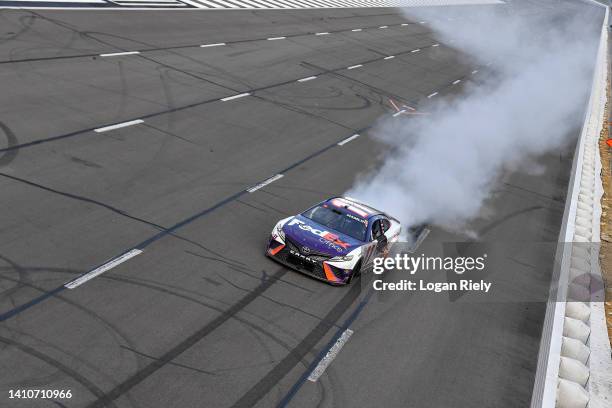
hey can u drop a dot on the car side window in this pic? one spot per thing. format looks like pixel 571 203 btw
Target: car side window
pixel 377 229
pixel 386 224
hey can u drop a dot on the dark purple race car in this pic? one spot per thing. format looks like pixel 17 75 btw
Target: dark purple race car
pixel 334 240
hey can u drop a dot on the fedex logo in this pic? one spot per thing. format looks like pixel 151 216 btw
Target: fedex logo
pixel 326 235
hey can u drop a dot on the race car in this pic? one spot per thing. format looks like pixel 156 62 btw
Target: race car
pixel 334 240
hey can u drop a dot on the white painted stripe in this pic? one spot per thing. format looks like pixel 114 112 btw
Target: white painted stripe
pixel 432 95
pixel 325 33
pixel 396 114
pixel 356 29
pixel 118 126
pixel 330 356
pixel 389 57
pixel 422 22
pixel 383 27
pixel 67 1
pixel 116 54
pixel 417 50
pixel 355 66
pixel 229 98
pixel 101 269
pixel 310 78
pixel 474 71
pixel 456 82
pixel 276 38
pixel 436 45
pixel 264 183
pixel 348 139
pixel 212 45
pixel 405 24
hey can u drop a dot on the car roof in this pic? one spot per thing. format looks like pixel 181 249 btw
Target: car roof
pixel 353 206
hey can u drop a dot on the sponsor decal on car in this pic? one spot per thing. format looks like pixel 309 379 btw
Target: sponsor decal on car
pixel 329 238
pixel 362 220
pixel 297 254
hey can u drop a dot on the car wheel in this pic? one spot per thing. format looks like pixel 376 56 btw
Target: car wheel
pixel 356 273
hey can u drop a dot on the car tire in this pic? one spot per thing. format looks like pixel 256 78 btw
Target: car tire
pixel 356 273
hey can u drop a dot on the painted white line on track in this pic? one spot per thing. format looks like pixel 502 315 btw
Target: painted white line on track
pixel 404 24
pixel 436 45
pixel 276 38
pixel 474 71
pixel 432 95
pixel 103 268
pixel 264 183
pixel 330 356
pixel 118 125
pixel 355 66
pixel 396 114
pixel 348 139
pixel 229 98
pixel 118 54
pixel 324 33
pixel 422 22
pixel 383 27
pixel 389 57
pixel 310 78
pixel 456 82
pixel 417 50
pixel 212 45
pixel 356 29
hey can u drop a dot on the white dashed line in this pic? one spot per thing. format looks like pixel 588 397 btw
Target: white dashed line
pixel 348 139
pixel 383 27
pixel 310 78
pixel 229 98
pixel 212 45
pixel 474 71
pixel 456 82
pixel 404 24
pixel 396 114
pixel 325 33
pixel 389 57
pixel 355 66
pixel 356 29
pixel 330 356
pixel 432 95
pixel 436 45
pixel 118 126
pixel 103 268
pixel 276 38
pixel 264 183
pixel 417 50
pixel 117 54
pixel 422 22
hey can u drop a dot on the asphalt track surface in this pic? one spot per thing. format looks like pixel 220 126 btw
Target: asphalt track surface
pixel 201 318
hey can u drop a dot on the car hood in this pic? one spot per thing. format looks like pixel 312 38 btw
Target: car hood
pixel 306 233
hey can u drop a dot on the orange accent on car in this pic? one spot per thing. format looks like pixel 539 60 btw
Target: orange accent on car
pixel 276 250
pixel 329 274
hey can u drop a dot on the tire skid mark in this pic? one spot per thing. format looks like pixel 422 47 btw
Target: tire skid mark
pixel 84 381
pixel 187 343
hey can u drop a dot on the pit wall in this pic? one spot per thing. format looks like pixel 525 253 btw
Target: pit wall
pixel 575 366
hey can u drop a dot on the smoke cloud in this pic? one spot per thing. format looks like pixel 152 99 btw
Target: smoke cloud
pixel 441 168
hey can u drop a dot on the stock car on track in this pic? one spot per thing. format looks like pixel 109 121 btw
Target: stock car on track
pixel 334 240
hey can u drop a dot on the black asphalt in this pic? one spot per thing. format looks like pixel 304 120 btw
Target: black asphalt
pixel 202 318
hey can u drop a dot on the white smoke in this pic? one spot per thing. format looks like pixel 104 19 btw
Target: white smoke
pixel 442 167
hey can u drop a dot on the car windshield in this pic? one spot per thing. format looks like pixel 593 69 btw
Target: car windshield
pixel 347 224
